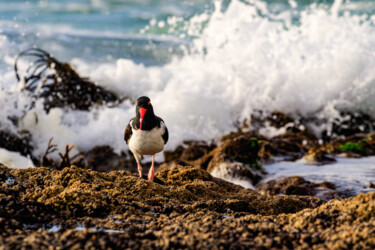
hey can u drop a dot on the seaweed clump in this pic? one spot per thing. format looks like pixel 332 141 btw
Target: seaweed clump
pixel 65 159
pixel 59 84
pixel 357 148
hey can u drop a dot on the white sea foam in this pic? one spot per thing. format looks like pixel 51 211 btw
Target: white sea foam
pixel 245 62
pixel 14 159
pixel 83 129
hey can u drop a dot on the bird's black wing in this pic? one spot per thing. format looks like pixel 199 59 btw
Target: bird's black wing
pixel 165 135
pixel 128 132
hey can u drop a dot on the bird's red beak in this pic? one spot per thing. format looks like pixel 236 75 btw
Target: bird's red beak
pixel 142 112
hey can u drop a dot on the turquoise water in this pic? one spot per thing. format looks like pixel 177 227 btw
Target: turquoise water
pixel 100 30
pixel 146 31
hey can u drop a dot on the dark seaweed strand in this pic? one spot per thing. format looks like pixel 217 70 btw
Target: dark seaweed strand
pixel 63 88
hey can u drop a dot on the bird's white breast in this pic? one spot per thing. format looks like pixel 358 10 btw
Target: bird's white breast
pixel 144 142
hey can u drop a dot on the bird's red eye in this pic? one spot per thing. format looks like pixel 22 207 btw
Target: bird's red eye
pixel 149 102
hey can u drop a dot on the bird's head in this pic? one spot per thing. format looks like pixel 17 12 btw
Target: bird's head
pixel 143 109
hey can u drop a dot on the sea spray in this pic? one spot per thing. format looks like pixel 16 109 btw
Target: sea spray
pixel 245 61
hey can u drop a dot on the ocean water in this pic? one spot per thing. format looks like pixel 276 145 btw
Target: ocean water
pixel 206 65
pixel 351 176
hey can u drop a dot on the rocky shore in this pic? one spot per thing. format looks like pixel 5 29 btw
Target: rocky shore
pixel 187 207
pixel 95 200
pixel 102 203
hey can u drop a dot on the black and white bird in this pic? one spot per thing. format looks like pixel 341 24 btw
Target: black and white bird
pixel 146 134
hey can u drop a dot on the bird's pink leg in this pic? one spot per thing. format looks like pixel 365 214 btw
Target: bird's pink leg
pixel 139 169
pixel 151 172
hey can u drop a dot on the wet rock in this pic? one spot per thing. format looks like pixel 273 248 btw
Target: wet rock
pixel 190 151
pixel 348 124
pixel 17 143
pixel 234 159
pixel 294 146
pixel 276 119
pixel 196 150
pixel 293 138
pixel 291 145
pixel 59 84
pixel 318 156
pixel 280 148
pixel 290 138
pixel 358 145
pixel 237 173
pixel 296 185
pixel 103 159
pixel 174 155
pixel 243 149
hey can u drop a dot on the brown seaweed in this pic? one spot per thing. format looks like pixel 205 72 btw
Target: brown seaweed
pixel 65 161
pixel 59 84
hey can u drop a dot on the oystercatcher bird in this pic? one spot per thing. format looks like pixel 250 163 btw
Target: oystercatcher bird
pixel 146 134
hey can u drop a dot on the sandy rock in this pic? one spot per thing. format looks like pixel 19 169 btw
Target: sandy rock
pixel 296 185
pixel 78 192
pixel 191 210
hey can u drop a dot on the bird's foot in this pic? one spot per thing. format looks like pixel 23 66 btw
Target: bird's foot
pixel 151 171
pixel 151 175
pixel 140 170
